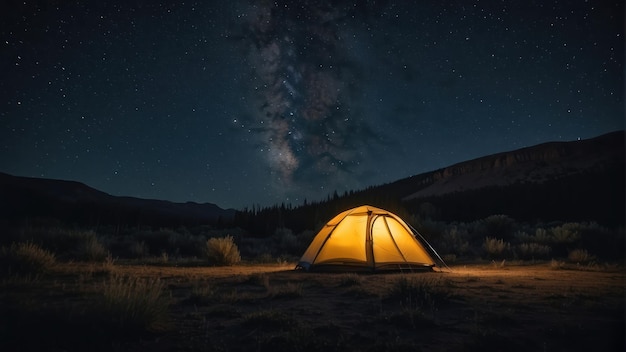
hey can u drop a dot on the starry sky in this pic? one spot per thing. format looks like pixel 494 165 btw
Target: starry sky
pixel 261 102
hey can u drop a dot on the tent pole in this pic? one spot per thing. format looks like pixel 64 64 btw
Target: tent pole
pixel 429 246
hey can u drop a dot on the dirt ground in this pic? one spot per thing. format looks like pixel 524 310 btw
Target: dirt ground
pixel 488 307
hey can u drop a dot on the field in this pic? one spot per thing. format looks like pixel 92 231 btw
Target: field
pixel 519 306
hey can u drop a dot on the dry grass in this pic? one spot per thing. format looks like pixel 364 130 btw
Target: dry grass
pixel 533 250
pixel 25 258
pixel 222 251
pixel 350 279
pixel 285 291
pixel 254 307
pixel 580 256
pixel 418 293
pixel 134 303
pixel 495 248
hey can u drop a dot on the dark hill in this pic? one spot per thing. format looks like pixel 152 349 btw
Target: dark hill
pixel 74 202
pixel 577 181
pixel 558 181
pixel 537 165
pixel 567 181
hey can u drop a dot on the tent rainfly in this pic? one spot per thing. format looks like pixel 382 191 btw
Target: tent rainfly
pixel 366 238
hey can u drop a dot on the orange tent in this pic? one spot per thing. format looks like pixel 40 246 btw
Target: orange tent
pixel 365 238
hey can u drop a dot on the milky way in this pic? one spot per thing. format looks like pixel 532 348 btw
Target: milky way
pixel 304 83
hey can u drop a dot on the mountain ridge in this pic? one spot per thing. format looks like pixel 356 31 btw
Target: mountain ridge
pixel 529 164
pixel 22 197
pixel 575 180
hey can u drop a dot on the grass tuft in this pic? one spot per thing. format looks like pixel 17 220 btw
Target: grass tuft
pixel 90 249
pixel 557 264
pixel 533 250
pixel 201 295
pixel 495 248
pixel 134 303
pixel 350 279
pixel 580 256
pixel 420 293
pixel 26 258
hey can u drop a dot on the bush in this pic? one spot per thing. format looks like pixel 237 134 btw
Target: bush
pixel 500 225
pixel 495 248
pixel 286 241
pixel 26 258
pixel 134 303
pixel 185 244
pixel 602 242
pixel 556 264
pixel 580 256
pixel 454 241
pixel 449 258
pixel 533 250
pixel 542 236
pixel 69 244
pixel 222 251
pixel 91 249
pixel 567 233
pixel 139 249
pixel 156 241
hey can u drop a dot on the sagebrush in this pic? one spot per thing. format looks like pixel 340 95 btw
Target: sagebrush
pixel 222 251
pixel 495 247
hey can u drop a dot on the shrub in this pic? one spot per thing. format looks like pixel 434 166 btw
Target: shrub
pixel 134 303
pixel 533 250
pixel 26 258
pixel 72 244
pixel 542 236
pixel 260 248
pixel 580 256
pixel 90 249
pixel 157 241
pixel 449 258
pixel 185 244
pixel 566 233
pixel 222 251
pixel 495 248
pixel 304 240
pixel 139 249
pixel 286 241
pixel 500 225
pixel 265 258
pixel 556 264
pixel 454 241
pixel 602 242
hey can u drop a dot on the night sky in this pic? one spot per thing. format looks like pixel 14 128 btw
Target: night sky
pixel 262 102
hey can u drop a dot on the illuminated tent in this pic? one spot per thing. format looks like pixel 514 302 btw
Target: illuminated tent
pixel 365 238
